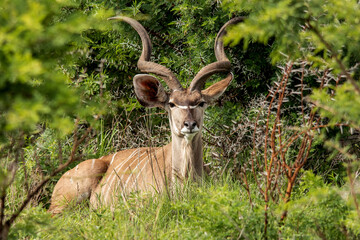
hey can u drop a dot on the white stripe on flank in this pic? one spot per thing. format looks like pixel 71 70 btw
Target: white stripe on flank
pixel 92 164
pixel 107 180
pixel 143 168
pixel 112 158
pixel 108 177
pixel 122 174
pixel 137 165
pixel 116 169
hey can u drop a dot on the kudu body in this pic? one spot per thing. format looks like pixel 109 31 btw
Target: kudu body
pixel 105 179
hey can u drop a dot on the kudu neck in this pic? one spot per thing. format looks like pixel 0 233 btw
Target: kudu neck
pixel 187 157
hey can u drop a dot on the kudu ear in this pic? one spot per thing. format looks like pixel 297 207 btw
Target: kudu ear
pixel 217 89
pixel 149 91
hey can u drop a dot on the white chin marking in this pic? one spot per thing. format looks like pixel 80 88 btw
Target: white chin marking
pixel 189 135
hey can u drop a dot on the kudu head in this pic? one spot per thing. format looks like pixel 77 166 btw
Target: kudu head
pixel 185 106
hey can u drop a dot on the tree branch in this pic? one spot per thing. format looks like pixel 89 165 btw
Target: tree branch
pixel 46 179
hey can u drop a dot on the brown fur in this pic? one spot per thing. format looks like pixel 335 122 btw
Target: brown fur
pixel 102 182
pixel 77 184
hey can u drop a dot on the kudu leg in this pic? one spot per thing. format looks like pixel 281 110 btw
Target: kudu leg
pixel 77 184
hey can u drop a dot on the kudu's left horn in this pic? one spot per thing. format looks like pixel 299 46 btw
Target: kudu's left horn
pixel 144 63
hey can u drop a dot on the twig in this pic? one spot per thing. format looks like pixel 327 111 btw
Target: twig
pixel 46 179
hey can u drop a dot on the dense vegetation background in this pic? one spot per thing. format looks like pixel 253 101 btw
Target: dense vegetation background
pixel 282 144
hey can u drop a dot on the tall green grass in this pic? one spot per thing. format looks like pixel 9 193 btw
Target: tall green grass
pixel 214 209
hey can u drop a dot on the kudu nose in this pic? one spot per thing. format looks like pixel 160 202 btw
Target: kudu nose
pixel 190 124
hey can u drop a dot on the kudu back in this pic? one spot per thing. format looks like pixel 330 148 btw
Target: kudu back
pixel 111 177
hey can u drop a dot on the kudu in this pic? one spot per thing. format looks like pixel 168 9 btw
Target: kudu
pixel 105 179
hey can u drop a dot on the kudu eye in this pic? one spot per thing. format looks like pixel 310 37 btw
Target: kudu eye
pixel 171 105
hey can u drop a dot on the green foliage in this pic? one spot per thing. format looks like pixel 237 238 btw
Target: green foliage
pixel 317 210
pixel 342 107
pixel 216 210
pixel 62 60
pixel 34 219
pixel 211 211
pixel 325 33
pixel 36 39
pixel 321 213
pixel 297 27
